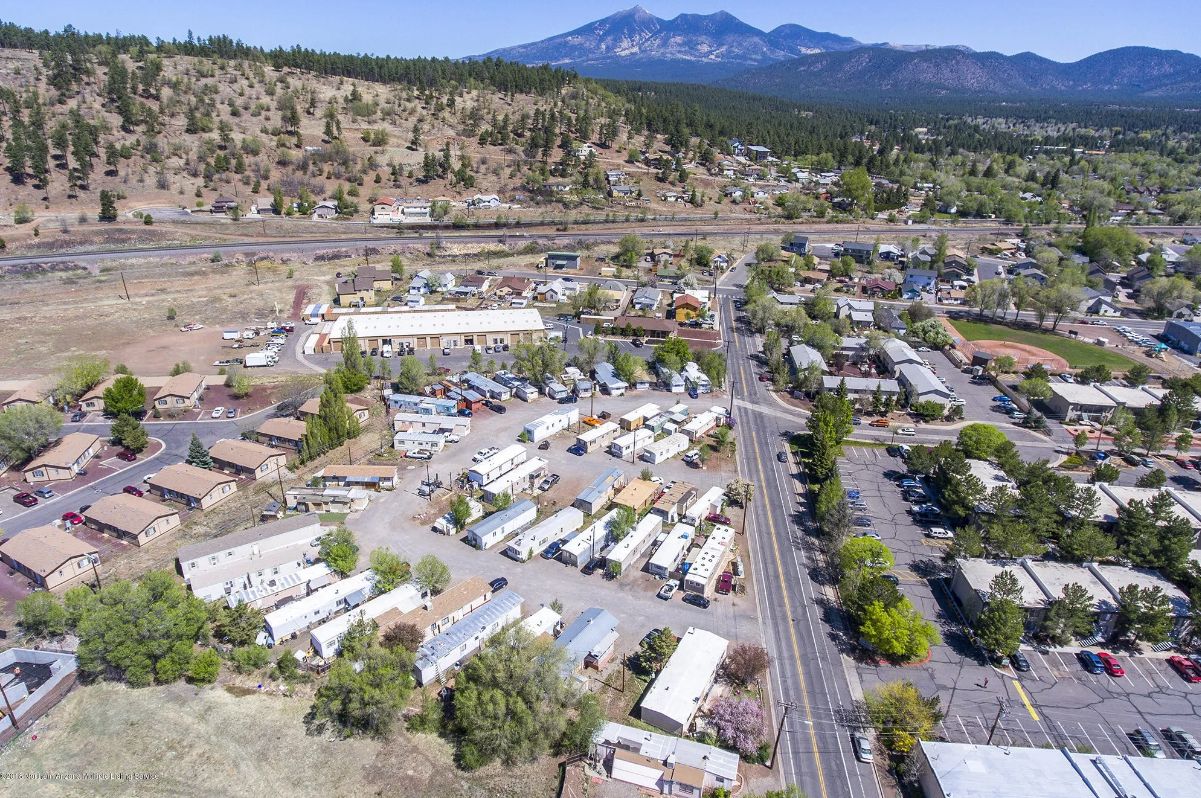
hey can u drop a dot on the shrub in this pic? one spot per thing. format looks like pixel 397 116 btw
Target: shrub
pixel 205 668
pixel 247 659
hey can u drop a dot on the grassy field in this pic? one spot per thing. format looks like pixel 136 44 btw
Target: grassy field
pixel 1078 354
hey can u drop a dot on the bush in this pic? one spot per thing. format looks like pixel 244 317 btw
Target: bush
pixel 205 668
pixel 247 659
pixel 41 615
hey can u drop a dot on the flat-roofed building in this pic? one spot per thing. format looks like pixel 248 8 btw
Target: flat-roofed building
pixel 1117 577
pixel 438 613
pixel 1130 398
pixel 436 329
pixel 680 689
pixel 518 480
pixel 318 606
pixel 627 550
pixel 65 458
pixel 638 495
pixel 671 552
pixel 131 518
pixel 326 639
pixel 702 574
pixel 971 586
pixel 503 461
pixel 711 502
pixel 462 640
pixel 591 542
pixel 422 422
pixel 862 388
pixel 590 640
pixel 636 417
pixel 555 421
pixel 597 438
pixel 541 535
pixel 247 459
pixel 360 476
pixel 671 765
pixel 49 556
pixel 1070 402
pixel 241 560
pixel 500 525
pixel 1124 494
pixel 196 487
pixel 405 441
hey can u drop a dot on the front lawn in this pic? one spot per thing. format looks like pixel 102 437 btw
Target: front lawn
pixel 1078 354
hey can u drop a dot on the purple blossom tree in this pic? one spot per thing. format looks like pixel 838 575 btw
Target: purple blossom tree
pixel 738 722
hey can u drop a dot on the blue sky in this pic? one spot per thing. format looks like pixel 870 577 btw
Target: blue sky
pixel 1065 30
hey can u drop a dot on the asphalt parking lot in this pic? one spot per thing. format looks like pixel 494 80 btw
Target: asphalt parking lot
pixel 401 521
pixel 1057 702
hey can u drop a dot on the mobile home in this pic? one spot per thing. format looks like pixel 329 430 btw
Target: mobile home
pixel 635 418
pixel 671 552
pixel 500 525
pixel 634 545
pixel 557 421
pixel 631 443
pixel 506 460
pixel 597 437
pixel 590 543
pixel 711 502
pixel 665 449
pixel 538 537
pixel 702 574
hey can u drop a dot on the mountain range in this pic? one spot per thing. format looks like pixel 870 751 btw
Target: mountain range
pixel 798 63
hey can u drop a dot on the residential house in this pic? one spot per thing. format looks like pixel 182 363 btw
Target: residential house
pixel 647 298
pixel 862 389
pixel 381 279
pixel 686 307
pixel 671 765
pixel 223 205
pixel 33 392
pixel 1139 276
pixel 875 287
pixel 65 458
pixel 757 152
pixel 473 284
pixel 956 268
pixel 890 321
pixel 49 556
pixel 733 193
pixel 131 518
pixel 422 282
pixel 181 392
pixel 1036 275
pixel 222 566
pixel 674 502
pixel 608 381
pixel 558 291
pixel 326 209
pixel 919 280
pixel 93 400
pixel 590 641
pixel 484 201
pixel 355 292
pixel 360 476
pixel 195 487
pixel 860 312
pixel 639 495
pixel 462 640
pixel 247 459
pixel 803 356
pixel 897 353
pixel 286 432
pixel 1101 306
pixel 858 251
pixel 383 211
pixel 304 499
pixel 922 385
pixel 558 261
pixel 799 245
pixel 359 407
pixel 513 286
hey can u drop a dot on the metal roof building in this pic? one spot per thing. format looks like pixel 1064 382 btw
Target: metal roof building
pixel 464 638
pixel 592 635
pixel 680 689
pixel 599 491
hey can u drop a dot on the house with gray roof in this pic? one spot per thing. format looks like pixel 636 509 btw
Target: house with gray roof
pixel 923 383
pixel 647 298
pixel 803 356
pixel 589 641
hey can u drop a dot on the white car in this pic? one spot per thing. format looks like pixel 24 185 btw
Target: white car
pixel 218 412
pixel 657 480
pixel 940 533
pixel 907 431
pixel 923 349
pixel 667 591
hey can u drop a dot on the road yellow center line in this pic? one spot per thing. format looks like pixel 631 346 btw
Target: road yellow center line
pixel 1025 700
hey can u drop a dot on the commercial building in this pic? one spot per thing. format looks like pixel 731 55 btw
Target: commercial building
pixel 239 561
pixel 665 449
pixel 319 606
pixel 1184 335
pixel 671 552
pixel 326 639
pixel 131 518
pixel 710 562
pixel 506 459
pixel 922 384
pixel 711 502
pixel 675 501
pixel 962 770
pixel 625 447
pixel 971 586
pixel 594 438
pixel 1070 402
pixel 679 691
pixel 500 525
pixel 598 493
pixel 627 550
pixel 590 543
pixel 49 556
pixel 636 417
pixel 639 495
pixel 518 480
pixel 360 476
pixel 440 612
pixel 247 459
pixel 862 388
pixel 589 641
pixel 435 329
pixel 671 765
pixel 556 421
pixel 1130 398
pixel 462 640
pixel 195 487
pixel 538 537
pixel 65 458
pixel 897 353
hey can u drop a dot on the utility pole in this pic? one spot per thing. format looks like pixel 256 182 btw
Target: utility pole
pixel 93 561
pixel 125 287
pixel 787 705
pixel 255 264
pixel 1001 713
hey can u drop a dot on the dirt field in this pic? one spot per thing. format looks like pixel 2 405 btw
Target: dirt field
pixel 212 743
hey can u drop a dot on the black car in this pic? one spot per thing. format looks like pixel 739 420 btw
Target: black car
pixel 590 568
pixel 637 343
pixel 497 407
pixel 78 416
pixel 464 412
pixel 890 578
pixel 374 351
pixel 697 600
pixel 569 399
pixel 782 457
pixel 544 445
pixel 894 451
pixel 498 584
pixel 1020 663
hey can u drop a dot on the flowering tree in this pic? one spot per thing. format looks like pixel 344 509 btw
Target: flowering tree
pixel 738 723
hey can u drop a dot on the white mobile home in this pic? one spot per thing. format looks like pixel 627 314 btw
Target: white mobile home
pixel 701 425
pixel 506 460
pixel 559 420
pixel 500 525
pixel 446 524
pixel 589 543
pixel 413 441
pixel 711 502
pixel 680 688
pixel 555 389
pixel 709 563
pixel 326 639
pixel 319 606
pixel 538 537
pixel 463 639
pixel 671 552
pixel 665 449
pixel 597 437
pixel 516 481
pixel 635 418
pixel 634 545
pixel 631 443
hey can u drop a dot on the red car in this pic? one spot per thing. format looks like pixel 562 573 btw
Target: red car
pixel 25 499
pixel 1112 667
pixel 763 378
pixel 127 456
pixel 725 583
pixel 74 519
pixel 717 518
pixel 133 491
pixel 1185 464
pixel 1185 668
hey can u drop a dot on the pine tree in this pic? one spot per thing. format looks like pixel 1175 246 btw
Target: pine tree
pixel 198 455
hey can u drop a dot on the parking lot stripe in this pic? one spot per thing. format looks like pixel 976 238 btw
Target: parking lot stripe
pixel 1090 739
pixel 1050 670
pixel 1025 700
pixel 1023 728
pixel 1131 663
pixel 1107 737
pixel 967 737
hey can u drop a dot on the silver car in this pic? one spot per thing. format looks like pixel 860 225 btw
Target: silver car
pixel 862 746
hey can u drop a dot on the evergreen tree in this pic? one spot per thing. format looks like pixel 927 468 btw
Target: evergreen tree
pixel 198 454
